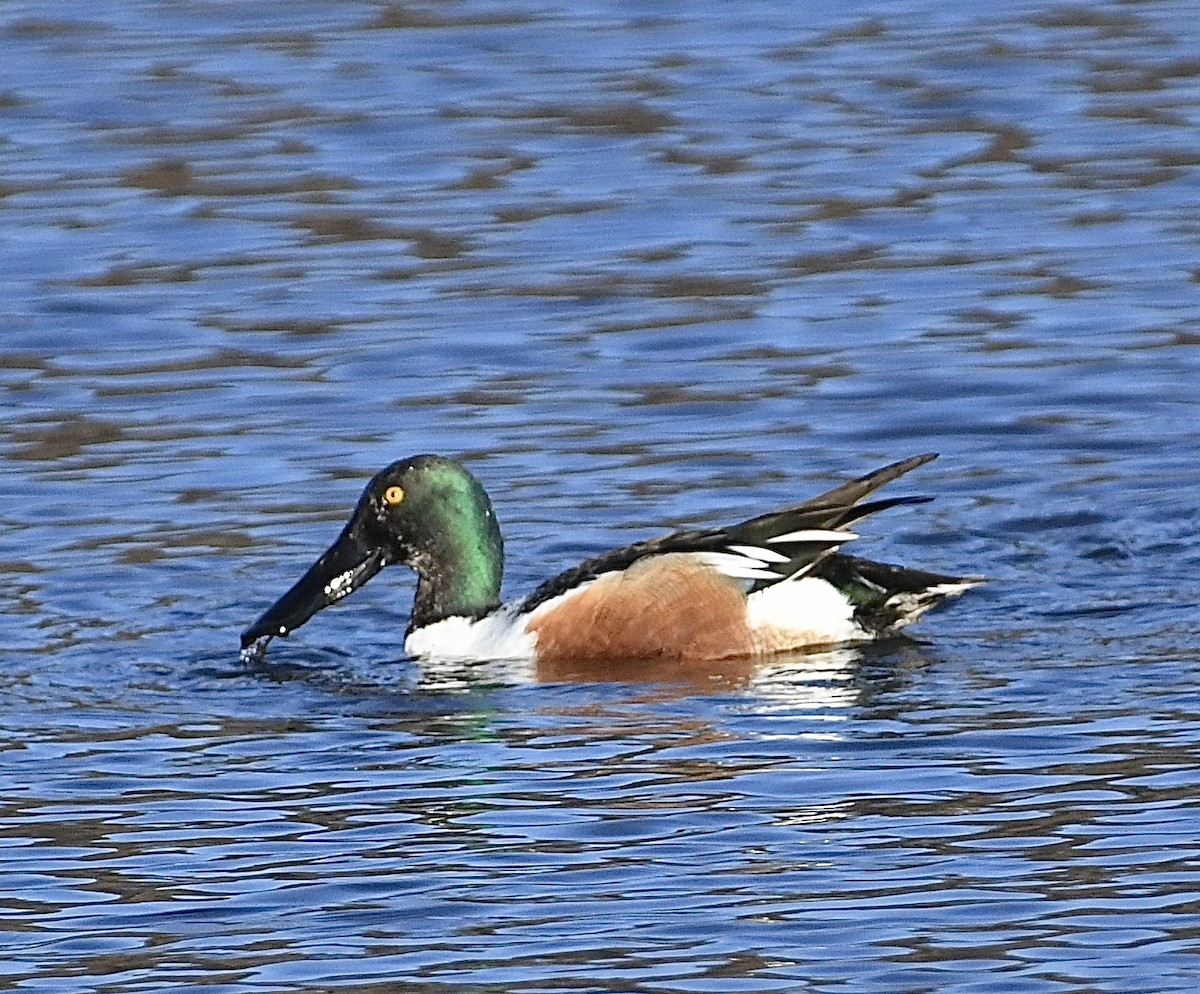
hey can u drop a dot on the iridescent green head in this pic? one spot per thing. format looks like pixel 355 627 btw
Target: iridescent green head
pixel 427 512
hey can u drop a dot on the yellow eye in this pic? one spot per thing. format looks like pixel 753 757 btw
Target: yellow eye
pixel 394 495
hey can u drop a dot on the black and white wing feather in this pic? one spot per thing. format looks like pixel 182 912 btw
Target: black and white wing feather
pixel 761 551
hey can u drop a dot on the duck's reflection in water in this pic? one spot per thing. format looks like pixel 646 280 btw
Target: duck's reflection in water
pixel 828 677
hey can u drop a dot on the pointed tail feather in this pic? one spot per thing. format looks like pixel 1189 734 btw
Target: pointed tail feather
pixel 833 509
pixel 849 494
pixel 887 598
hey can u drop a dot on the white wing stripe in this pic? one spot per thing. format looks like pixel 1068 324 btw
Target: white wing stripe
pixel 816 535
pixel 755 552
pixel 739 567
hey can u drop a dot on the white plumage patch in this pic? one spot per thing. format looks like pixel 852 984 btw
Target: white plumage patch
pixel 758 553
pixel 754 562
pixel 736 565
pixel 806 611
pixel 832 537
pixel 499 635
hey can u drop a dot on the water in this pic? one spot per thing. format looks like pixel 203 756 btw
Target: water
pixel 638 267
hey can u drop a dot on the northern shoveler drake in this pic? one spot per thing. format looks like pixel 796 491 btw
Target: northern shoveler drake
pixel 769 584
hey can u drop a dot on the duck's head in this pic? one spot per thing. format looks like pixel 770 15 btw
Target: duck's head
pixel 427 512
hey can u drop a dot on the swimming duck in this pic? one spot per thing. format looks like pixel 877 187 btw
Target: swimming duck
pixel 772 583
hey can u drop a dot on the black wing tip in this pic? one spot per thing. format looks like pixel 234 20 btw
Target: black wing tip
pixel 896 469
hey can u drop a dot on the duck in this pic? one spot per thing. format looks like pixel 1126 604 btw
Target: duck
pixel 770 584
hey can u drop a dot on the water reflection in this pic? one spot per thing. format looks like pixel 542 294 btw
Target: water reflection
pixel 832 678
pixel 713 675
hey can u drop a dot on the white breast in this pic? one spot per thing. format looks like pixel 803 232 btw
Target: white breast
pixel 499 635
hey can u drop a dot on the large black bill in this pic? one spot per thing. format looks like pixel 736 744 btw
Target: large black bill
pixel 346 566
